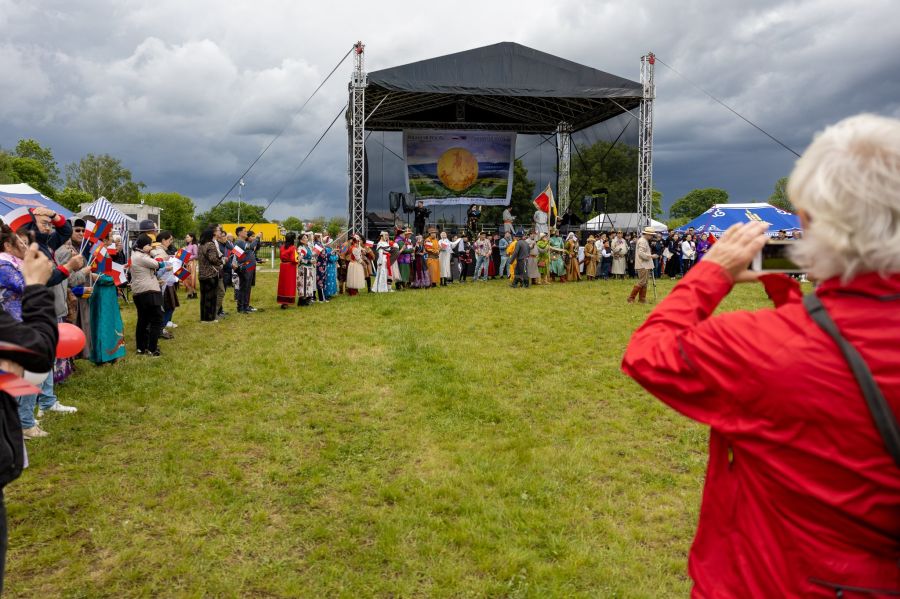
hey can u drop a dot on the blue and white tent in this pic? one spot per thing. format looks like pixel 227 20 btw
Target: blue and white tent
pixel 717 219
pixel 21 194
pixel 104 209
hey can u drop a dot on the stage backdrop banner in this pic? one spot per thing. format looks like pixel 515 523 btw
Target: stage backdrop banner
pixel 447 168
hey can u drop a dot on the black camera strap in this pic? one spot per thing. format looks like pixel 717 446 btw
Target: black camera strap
pixel 881 412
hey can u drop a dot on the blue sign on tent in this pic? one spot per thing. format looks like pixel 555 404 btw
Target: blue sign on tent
pixel 22 195
pixel 717 219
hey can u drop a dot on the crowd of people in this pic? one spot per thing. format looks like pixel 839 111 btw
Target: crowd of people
pixel 314 269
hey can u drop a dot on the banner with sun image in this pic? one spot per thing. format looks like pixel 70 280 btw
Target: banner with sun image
pixel 446 168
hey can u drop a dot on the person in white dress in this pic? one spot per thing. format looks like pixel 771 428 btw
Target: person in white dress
pixel 384 274
pixel 446 250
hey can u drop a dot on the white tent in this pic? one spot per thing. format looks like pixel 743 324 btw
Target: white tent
pixel 625 221
pixel 104 209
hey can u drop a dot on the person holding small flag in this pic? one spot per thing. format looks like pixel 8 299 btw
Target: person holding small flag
pixel 147 296
pixel 306 278
pixel 287 273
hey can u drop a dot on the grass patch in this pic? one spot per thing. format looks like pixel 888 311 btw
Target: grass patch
pixel 475 441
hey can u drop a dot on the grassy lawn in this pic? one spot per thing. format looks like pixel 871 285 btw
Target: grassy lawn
pixel 475 441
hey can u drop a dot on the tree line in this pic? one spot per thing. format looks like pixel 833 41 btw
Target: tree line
pixel 605 170
pixel 103 175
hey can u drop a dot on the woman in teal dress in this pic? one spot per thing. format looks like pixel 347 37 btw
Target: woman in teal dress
pixel 107 331
pixel 557 264
pixel 331 286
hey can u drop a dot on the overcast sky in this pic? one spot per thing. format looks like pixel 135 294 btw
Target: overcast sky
pixel 187 93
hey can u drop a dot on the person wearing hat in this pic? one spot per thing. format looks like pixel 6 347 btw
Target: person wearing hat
pixel 643 264
pixel 433 254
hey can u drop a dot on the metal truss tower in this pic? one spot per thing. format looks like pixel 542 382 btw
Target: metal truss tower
pixel 645 144
pixel 357 221
pixel 564 159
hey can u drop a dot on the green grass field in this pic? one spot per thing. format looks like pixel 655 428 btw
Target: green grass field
pixel 474 441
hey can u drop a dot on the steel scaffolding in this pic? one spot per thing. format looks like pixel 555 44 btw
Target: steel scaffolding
pixel 564 148
pixel 358 144
pixel 645 160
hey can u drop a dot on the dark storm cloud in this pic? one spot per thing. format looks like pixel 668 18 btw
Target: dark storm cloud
pixel 187 94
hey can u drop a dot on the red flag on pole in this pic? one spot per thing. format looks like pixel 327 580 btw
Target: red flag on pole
pixel 544 202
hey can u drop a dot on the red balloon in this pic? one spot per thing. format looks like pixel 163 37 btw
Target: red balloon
pixel 71 340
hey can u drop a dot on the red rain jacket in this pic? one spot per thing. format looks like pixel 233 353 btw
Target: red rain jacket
pixel 800 490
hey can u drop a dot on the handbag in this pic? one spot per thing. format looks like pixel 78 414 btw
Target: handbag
pixel 884 418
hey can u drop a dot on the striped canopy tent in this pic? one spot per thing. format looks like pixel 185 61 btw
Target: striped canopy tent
pixel 104 209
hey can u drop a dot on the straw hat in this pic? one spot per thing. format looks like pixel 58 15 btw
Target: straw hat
pixel 649 231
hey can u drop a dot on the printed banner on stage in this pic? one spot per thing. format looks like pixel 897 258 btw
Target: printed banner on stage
pixel 447 168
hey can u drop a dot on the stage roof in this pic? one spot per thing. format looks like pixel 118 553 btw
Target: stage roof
pixel 503 87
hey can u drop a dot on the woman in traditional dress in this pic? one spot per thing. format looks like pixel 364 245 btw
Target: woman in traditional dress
pixel 404 244
pixel 572 271
pixel 421 278
pixel 321 267
pixel 619 251
pixel 385 270
pixel 446 248
pixel 356 272
pixel 209 273
pixel 107 330
pixel 433 253
pixel 331 285
pixel 543 260
pixel 557 263
pixel 287 272
pixel 190 284
pixel 306 281
pixel 590 258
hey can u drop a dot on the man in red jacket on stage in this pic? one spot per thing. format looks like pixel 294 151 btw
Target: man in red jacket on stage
pixel 802 493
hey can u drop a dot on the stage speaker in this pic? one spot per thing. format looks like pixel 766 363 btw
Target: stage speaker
pixel 409 202
pixel 587 205
pixel 394 198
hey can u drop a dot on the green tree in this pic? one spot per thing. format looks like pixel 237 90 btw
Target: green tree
pixel 656 205
pixel 697 202
pixel 177 213
pixel 779 197
pixel 227 212
pixel 104 176
pixel 674 223
pixel 605 166
pixel 71 198
pixel 317 225
pixel 32 172
pixel 29 148
pixel 292 223
pixel 520 199
pixel 335 225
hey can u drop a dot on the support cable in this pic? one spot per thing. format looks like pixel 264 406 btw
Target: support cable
pixel 280 133
pixel 297 168
pixel 732 110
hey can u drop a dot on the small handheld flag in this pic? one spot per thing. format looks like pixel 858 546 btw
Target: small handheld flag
pixel 101 230
pixel 18 218
pixel 117 272
pixel 183 255
pixel 237 252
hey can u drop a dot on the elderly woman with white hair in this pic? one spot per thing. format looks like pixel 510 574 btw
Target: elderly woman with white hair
pixel 802 492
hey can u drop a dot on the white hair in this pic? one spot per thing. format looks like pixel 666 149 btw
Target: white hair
pixel 848 184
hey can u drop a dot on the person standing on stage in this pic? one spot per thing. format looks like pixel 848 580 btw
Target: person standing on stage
pixel 508 219
pixel 472 216
pixel 421 214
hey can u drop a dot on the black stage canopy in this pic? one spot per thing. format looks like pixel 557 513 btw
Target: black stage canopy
pixel 502 87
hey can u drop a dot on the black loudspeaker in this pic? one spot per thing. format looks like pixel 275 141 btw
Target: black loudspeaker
pixel 394 198
pixel 409 202
pixel 587 205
